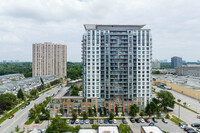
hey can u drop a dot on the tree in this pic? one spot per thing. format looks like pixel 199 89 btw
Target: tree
pixel 42 81
pixel 134 109
pixel 20 94
pixel 17 129
pixel 85 116
pixel 100 111
pixel 123 113
pixel 166 99
pixel 95 111
pixel 90 112
pixel 74 115
pixel 34 92
pixel 95 126
pixel 116 109
pixel 112 116
pixel 151 108
pixel 184 103
pixel 105 112
pixel 62 111
pixel 124 128
pixel 37 120
pixel 142 113
pixel 32 113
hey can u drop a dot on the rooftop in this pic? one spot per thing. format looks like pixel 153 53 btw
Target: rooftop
pixel 108 129
pixel 151 129
pixel 87 131
pixel 95 26
pixel 61 93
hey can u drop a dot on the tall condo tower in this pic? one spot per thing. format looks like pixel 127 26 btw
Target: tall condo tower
pixel 49 58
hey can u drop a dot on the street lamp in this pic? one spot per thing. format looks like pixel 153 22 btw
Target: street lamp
pixel 179 100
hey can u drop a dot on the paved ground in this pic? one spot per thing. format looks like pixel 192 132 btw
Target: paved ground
pixel 22 115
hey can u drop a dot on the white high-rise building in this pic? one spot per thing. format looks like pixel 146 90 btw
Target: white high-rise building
pixel 49 58
pixel 117 62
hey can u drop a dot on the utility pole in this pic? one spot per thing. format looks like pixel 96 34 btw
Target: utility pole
pixel 179 100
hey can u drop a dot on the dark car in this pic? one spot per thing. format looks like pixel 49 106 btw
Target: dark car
pixel 180 123
pixel 110 121
pixel 23 107
pixel 137 120
pixel 27 103
pixel 188 128
pixel 91 121
pixel 147 120
pixel 191 131
pixel 195 124
pixel 105 121
pixel 123 120
pixel 151 124
pixel 155 120
pixel 35 98
pixel 73 121
pixel 132 120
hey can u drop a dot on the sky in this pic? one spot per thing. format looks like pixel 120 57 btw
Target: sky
pixel 174 24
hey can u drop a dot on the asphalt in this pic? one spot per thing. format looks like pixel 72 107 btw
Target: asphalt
pixel 21 116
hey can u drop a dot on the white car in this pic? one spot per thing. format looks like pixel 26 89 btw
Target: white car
pixel 68 121
pixel 101 121
pixel 114 121
pixel 77 121
pixel 142 120
pixel 87 121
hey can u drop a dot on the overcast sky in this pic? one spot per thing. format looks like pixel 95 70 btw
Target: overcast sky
pixel 175 24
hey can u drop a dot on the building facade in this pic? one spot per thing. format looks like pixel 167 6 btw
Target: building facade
pixel 176 62
pixel 117 64
pixel 49 58
pixel 188 70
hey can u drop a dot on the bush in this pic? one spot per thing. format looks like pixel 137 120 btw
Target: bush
pixel 37 120
pixel 95 126
pixel 167 116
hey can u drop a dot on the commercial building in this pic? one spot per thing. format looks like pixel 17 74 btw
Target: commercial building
pixel 117 64
pixel 49 58
pixel 101 129
pixel 155 64
pixel 176 62
pixel 188 70
pixel 10 77
pixel 150 129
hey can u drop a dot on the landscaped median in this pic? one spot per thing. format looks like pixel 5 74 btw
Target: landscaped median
pixel 175 119
pixel 187 108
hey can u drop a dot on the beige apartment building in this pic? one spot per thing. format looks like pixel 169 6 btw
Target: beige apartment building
pixel 49 58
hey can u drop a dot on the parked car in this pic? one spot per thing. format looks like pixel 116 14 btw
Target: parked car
pixel 82 122
pixel 137 120
pixel 147 120
pixel 195 124
pixel 142 120
pixel 35 98
pixel 23 107
pixel 114 121
pixel 124 120
pixel 164 120
pixel 77 121
pixel 73 121
pixel 181 123
pixel 91 121
pixel 151 124
pixel 105 121
pixel 87 121
pixel 184 125
pixel 67 121
pixel 101 121
pixel 27 103
pixel 191 131
pixel 198 129
pixel 132 120
pixel 11 116
pixel 110 121
pixel 188 128
pixel 155 120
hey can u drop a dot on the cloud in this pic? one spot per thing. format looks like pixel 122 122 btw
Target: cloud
pixel 174 24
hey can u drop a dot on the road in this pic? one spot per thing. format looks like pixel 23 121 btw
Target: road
pixel 21 116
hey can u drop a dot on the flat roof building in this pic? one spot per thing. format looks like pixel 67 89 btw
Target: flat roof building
pixel 150 129
pixel 188 70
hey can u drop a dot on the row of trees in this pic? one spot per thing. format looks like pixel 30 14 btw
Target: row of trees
pixel 74 70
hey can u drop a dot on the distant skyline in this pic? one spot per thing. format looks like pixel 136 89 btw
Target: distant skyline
pixel 175 25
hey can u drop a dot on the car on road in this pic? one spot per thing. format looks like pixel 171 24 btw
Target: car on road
pixel 35 98
pixel 114 121
pixel 77 121
pixel 137 120
pixel 147 120
pixel 105 121
pixel 91 121
pixel 142 120
pixel 132 120
pixel 110 121
pixel 151 124
pixel 23 107
pixel 82 122
pixel 87 121
pixel 195 124
pixel 124 120
pixel 11 116
pixel 67 121
pixel 101 121
pixel 73 121
pixel 155 120
pixel 27 103
pixel 164 120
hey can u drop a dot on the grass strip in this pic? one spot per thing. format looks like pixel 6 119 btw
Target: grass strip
pixel 187 108
pixel 176 120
